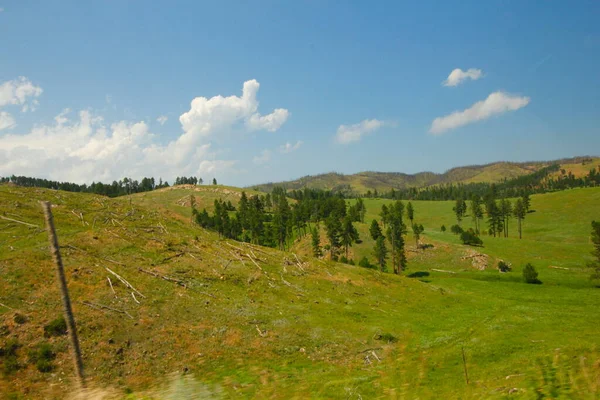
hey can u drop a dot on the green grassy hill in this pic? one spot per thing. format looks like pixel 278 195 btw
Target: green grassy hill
pixel 361 182
pixel 230 319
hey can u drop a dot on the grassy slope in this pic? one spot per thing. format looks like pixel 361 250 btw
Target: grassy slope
pixel 384 181
pixel 578 169
pixel 319 317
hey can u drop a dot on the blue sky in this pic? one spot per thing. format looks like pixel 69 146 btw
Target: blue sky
pixel 357 86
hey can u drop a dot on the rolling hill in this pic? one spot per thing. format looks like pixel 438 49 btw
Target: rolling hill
pixel 361 182
pixel 226 319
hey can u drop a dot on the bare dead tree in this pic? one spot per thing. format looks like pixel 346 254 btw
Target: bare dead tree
pixel 62 281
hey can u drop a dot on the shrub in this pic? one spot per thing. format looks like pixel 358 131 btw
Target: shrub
pixel 470 238
pixel 503 266
pixel 58 327
pixel 8 355
pixel 443 228
pixel 387 337
pixel 530 275
pixel 364 262
pixel 351 261
pixel 20 318
pixel 42 357
pixel 456 229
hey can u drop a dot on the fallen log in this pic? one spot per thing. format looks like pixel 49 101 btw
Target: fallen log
pixel 166 278
pixel 102 306
pixel 19 222
pixel 124 281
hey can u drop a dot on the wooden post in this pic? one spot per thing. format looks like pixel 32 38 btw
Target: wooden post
pixel 68 311
pixel 465 365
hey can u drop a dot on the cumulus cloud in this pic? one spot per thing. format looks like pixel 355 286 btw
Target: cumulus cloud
pixel 209 115
pixel 352 133
pixel 84 148
pixel 6 120
pixel 495 104
pixel 162 119
pixel 288 147
pixel 263 158
pixel 271 122
pixel 458 76
pixel 20 92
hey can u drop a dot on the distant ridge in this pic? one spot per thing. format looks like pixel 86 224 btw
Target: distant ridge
pixel 384 181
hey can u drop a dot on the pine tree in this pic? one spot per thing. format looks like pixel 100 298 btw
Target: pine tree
pixel 417 230
pixel 362 210
pixel 506 212
pixel 410 212
pixel 395 235
pixel 384 214
pixel 526 202
pixel 495 219
pixel 316 242
pixel 460 209
pixel 333 228
pixel 519 212
pixel 380 252
pixel 349 234
pixel 375 230
pixel 476 212
pixel 281 221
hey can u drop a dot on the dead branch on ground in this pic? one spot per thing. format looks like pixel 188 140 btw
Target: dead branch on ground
pixel 102 306
pixel 124 281
pixel 19 222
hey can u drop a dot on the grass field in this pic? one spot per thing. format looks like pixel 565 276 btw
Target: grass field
pixel 246 321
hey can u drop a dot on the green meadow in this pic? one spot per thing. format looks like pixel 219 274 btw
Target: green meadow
pixel 234 320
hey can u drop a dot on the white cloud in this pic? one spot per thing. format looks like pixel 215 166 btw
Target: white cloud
pixel 214 166
pixel 495 104
pixel 85 148
pixel 209 115
pixel 162 119
pixel 263 158
pixel 19 92
pixel 6 120
pixel 61 118
pixel 288 147
pixel 352 133
pixel 458 76
pixel 271 122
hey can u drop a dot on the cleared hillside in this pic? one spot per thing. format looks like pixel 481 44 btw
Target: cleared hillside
pixel 235 320
pixel 361 182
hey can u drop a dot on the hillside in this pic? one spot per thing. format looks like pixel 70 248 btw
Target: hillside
pixel 361 182
pixel 229 319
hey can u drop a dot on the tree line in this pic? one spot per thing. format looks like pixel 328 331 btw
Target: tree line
pixel 539 181
pixel 274 221
pixel 122 187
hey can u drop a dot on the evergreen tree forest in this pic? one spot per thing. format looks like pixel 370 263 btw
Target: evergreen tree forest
pixel 276 219
pixel 123 187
